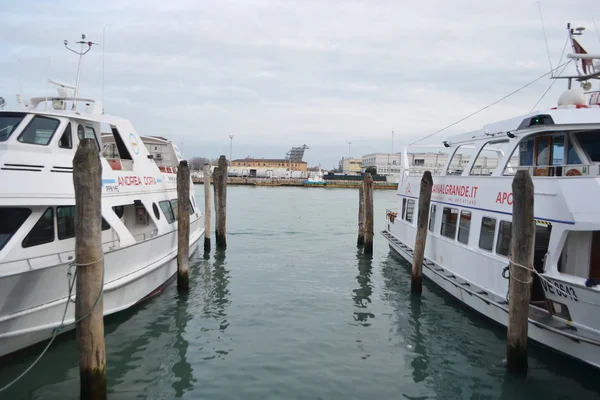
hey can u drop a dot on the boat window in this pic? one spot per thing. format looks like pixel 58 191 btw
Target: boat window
pixel 410 210
pixel 504 235
pixel 65 217
pixel 167 210
pixel 558 149
pixel 174 207
pixel 9 122
pixel 121 147
pixel 464 227
pixel 191 207
pixel 43 230
pixel 449 219
pixel 486 235
pixel 80 132
pixel 460 159
pixel 403 207
pixel 39 130
pixel 572 156
pixel 155 210
pixel 65 222
pixel 12 219
pixel 526 152
pixel 432 218
pixel 590 142
pixel 119 210
pixel 487 159
pixel 66 140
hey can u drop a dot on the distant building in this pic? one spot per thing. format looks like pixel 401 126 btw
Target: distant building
pixel 384 163
pixel 270 163
pixel 351 166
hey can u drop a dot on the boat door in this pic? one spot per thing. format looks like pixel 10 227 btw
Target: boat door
pixel 542 155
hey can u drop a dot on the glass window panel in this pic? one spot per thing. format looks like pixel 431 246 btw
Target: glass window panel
pixel 464 227
pixel 486 235
pixel 432 218
pixel 167 210
pixel 12 219
pixel 449 219
pixel 9 122
pixel 43 230
pixel 504 235
pixel 410 209
pixel 39 131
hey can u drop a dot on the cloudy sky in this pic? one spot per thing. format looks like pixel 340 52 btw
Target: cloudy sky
pixel 279 73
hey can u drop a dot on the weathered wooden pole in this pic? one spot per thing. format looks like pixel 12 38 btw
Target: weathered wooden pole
pixel 521 266
pixel 206 172
pixel 416 278
pixel 220 184
pixel 89 303
pixel 361 216
pixel 183 226
pixel 368 213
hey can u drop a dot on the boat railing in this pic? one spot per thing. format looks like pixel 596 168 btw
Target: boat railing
pixel 556 170
pixel 419 171
pixel 47 260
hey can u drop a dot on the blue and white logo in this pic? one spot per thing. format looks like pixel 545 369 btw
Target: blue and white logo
pixel 134 143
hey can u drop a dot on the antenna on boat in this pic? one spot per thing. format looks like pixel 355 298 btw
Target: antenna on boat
pixel 103 47
pixel 596 28
pixel 545 37
pixel 81 53
pixel 47 81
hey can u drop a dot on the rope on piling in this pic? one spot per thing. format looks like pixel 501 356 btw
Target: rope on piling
pixel 62 324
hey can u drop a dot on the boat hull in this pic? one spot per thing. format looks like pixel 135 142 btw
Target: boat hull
pixel 539 329
pixel 36 324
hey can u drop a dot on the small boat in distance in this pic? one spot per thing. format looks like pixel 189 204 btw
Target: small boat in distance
pixel 470 218
pixel 316 179
pixel 37 210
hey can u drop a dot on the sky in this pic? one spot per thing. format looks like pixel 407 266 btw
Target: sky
pixel 278 73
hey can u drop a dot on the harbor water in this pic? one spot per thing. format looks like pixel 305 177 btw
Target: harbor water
pixel 292 311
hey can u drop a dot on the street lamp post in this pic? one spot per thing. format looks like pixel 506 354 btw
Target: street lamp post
pixel 230 149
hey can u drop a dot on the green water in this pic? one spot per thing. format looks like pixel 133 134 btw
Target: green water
pixel 292 311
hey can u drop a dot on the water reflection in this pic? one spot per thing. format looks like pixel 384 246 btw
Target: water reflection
pixel 420 361
pixel 182 368
pixel 362 295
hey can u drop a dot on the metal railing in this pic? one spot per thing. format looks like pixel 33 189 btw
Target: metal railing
pixel 571 170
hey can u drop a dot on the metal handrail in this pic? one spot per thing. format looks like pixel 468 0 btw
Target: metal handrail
pixel 583 169
pixel 118 241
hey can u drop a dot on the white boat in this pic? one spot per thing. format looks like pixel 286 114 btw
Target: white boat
pixel 315 179
pixel 469 229
pixel 37 243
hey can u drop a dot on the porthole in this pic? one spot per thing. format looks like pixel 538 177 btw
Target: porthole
pixel 155 209
pixel 119 210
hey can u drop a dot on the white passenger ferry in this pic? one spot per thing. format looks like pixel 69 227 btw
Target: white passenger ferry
pixel 37 233
pixel 469 235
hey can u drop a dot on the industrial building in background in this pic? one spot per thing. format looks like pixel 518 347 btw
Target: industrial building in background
pixel 292 166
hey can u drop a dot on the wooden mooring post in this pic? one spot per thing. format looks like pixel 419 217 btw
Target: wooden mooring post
pixel 220 186
pixel 521 266
pixel 183 226
pixel 89 303
pixel 416 277
pixel 206 173
pixel 361 216
pixel 368 213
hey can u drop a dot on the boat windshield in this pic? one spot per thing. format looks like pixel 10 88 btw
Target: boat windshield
pixel 8 124
pixel 590 142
